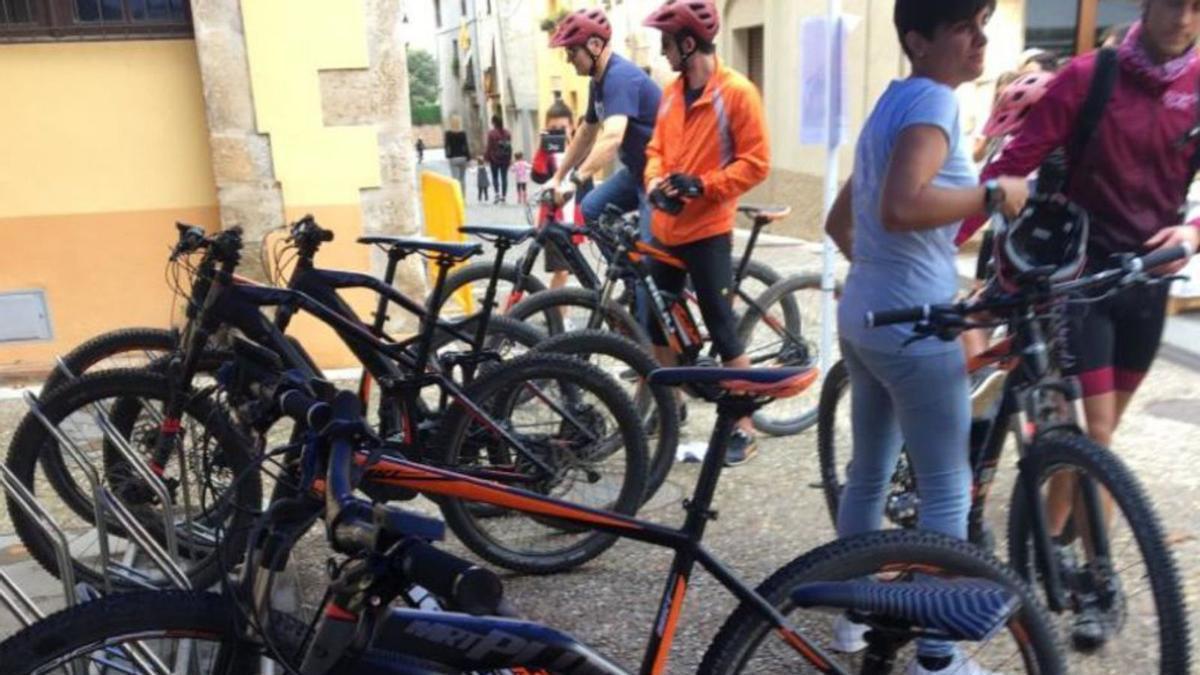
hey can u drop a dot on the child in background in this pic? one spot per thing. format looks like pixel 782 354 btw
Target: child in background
pixel 521 176
pixel 560 126
pixel 481 178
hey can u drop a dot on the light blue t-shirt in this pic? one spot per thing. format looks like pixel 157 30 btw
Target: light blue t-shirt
pixel 892 270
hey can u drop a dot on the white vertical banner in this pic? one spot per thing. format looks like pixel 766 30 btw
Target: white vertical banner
pixel 823 89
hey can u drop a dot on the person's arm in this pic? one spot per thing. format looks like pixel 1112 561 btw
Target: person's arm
pixel 604 150
pixel 580 146
pixel 839 225
pixel 751 152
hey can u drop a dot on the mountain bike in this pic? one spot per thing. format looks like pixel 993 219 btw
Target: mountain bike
pixel 1121 571
pixel 905 585
pixel 569 242
pixel 764 330
pixel 540 428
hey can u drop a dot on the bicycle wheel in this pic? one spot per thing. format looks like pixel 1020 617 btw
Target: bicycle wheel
pixel 122 348
pixel 834 450
pixel 581 424
pixel 567 309
pixel 629 364
pixel 1134 590
pixel 475 276
pixel 189 633
pixel 223 488
pixel 770 341
pixel 744 646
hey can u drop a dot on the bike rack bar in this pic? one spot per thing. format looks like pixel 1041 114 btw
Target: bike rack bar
pixel 62 552
pixel 18 602
pixel 106 502
pixel 155 415
pixel 152 479
pixel 89 471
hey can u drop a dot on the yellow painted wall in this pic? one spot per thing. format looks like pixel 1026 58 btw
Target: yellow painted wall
pixel 104 146
pixel 320 169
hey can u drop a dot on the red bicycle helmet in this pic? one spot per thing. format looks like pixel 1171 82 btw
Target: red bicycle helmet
pixel 698 17
pixel 1015 102
pixel 1046 242
pixel 576 27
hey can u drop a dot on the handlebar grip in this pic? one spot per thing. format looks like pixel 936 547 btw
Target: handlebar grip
pixel 1161 257
pixel 892 316
pixel 468 587
pixel 303 408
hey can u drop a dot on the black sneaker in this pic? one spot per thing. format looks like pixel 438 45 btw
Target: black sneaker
pixel 1100 612
pixel 742 448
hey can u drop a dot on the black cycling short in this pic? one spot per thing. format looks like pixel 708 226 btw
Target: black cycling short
pixel 1112 343
pixel 554 260
pixel 709 263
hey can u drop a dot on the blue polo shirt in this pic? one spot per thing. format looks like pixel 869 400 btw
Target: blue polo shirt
pixel 625 89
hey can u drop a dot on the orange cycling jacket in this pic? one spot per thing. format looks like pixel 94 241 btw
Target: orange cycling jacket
pixel 722 139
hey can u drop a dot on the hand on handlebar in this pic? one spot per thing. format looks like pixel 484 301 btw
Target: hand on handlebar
pixel 1180 235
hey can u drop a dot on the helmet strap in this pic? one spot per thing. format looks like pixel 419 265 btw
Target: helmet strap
pixel 595 58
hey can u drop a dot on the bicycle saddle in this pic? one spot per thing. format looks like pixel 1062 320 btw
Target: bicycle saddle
pixel 769 382
pixel 511 234
pixel 456 250
pixel 968 609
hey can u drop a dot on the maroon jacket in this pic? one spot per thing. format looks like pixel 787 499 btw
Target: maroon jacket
pixel 1133 176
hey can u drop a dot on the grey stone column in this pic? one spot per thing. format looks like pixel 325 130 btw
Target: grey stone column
pixel 247 191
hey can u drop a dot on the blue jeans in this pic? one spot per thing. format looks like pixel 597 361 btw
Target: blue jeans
pixel 623 190
pixel 922 402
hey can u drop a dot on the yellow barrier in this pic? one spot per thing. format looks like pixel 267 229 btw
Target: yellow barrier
pixel 445 212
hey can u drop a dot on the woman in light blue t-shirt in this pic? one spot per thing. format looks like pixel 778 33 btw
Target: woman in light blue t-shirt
pixel 895 220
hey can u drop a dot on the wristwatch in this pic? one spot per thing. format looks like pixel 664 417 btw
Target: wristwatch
pixel 993 196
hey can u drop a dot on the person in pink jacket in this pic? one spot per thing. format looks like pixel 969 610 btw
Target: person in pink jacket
pixel 1132 176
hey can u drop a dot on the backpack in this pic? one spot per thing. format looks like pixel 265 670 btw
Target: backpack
pixel 504 149
pixel 1104 80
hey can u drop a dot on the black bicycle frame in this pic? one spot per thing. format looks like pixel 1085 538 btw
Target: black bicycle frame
pixel 1022 388
pixel 238 305
pixel 475 643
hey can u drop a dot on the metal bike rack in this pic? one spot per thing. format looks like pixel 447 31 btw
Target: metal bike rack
pixel 105 505
pixel 105 502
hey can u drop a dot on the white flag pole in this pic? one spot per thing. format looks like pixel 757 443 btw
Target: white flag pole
pixel 833 140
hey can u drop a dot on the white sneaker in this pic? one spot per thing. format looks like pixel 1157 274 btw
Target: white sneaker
pixel 849 636
pixel 959 665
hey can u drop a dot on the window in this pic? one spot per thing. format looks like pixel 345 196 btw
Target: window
pixel 437 13
pixel 39 20
pixel 1068 27
pixel 1051 25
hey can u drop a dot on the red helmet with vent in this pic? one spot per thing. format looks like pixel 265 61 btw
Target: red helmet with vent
pixel 698 17
pixel 575 28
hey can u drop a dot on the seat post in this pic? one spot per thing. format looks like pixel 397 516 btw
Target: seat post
pixel 389 276
pixel 429 325
pixel 755 229
pixel 729 410
pixel 489 296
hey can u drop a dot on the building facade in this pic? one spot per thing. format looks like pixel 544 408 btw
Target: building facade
pixel 124 116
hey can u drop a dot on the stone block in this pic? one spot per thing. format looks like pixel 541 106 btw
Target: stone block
pixel 241 157
pixel 347 97
pixel 225 74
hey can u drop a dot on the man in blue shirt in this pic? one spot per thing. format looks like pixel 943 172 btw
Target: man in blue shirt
pixel 622 107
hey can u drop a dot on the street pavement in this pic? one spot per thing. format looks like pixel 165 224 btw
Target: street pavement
pixel 769 510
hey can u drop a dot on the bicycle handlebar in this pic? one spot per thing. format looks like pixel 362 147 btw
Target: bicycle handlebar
pixel 1131 270
pixel 356 525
